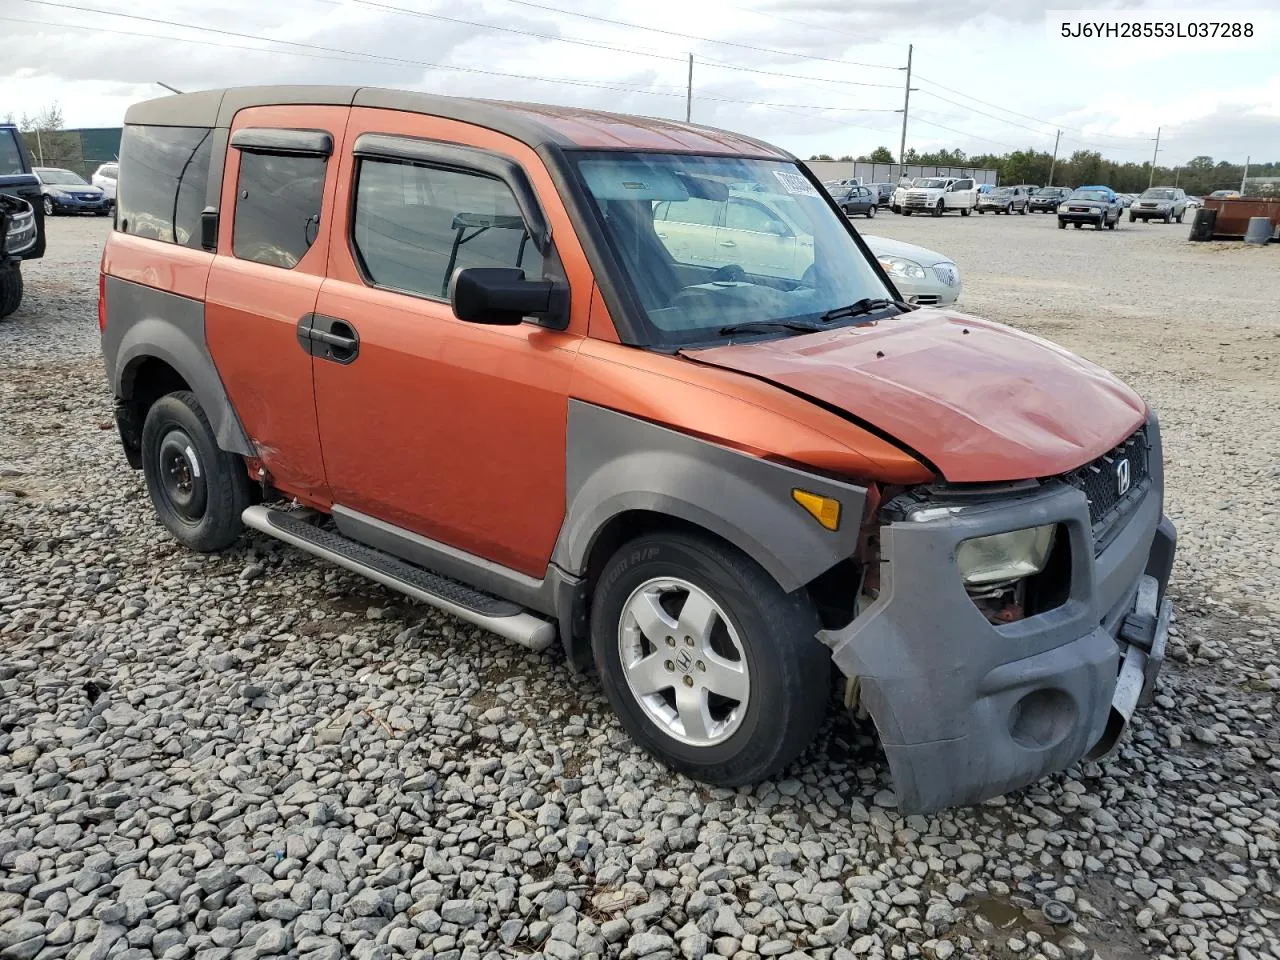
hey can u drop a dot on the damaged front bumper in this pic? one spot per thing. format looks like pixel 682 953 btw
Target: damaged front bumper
pixel 969 709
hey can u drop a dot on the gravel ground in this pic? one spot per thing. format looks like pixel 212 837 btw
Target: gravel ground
pixel 256 755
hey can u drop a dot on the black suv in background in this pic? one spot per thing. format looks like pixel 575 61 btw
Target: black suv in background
pixel 19 212
pixel 1046 199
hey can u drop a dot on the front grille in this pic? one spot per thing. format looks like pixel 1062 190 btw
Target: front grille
pixel 947 273
pixel 1103 482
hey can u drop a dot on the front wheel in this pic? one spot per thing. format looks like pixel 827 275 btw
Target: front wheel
pixel 1023 211
pixel 965 211
pixel 937 211
pixel 1178 218
pixel 906 212
pixel 199 491
pixel 1062 224
pixel 711 667
pixel 48 207
pixel 981 211
pixel 1132 218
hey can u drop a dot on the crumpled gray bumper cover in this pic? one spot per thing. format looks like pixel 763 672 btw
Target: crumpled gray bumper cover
pixel 967 710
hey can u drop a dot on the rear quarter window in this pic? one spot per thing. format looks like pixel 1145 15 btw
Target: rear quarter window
pixel 163 180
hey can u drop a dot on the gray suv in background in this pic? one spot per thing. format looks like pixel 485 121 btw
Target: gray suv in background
pixel 1159 203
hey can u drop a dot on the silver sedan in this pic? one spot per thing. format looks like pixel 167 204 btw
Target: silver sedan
pixel 921 276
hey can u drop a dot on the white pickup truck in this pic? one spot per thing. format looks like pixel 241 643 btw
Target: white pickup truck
pixel 939 195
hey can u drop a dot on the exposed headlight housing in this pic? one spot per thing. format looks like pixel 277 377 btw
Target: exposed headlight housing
pixel 1002 557
pixel 901 267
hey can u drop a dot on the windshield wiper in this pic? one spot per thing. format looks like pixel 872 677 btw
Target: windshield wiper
pixel 860 308
pixel 762 326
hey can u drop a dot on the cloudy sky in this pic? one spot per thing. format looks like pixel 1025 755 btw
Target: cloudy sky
pixel 810 75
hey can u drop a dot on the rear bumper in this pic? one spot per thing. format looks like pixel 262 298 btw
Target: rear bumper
pixel 968 710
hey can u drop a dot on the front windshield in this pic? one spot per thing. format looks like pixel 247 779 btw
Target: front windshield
pixel 931 184
pixel 1157 194
pixel 65 177
pixel 1089 195
pixel 701 253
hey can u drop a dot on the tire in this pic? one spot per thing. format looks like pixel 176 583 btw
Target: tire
pixel 939 209
pixel 895 209
pixel 906 212
pixel 1008 211
pixel 48 207
pixel 1062 224
pixel 981 211
pixel 965 211
pixel 871 211
pixel 1178 218
pixel 178 443
pixel 1101 222
pixel 1132 218
pixel 1114 224
pixel 1168 218
pixel 10 289
pixel 787 672
pixel 1078 226
pixel 1023 211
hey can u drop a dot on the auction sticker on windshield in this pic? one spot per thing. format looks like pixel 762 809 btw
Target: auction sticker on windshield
pixel 795 183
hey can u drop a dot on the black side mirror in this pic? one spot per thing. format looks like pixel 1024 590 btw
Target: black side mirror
pixel 209 229
pixel 500 295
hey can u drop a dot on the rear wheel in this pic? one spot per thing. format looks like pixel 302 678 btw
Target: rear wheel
pixel 711 667
pixel 10 289
pixel 871 211
pixel 906 212
pixel 198 490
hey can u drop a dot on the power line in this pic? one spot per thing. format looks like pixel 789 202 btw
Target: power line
pixel 361 57
pixel 996 106
pixel 963 133
pixel 700 39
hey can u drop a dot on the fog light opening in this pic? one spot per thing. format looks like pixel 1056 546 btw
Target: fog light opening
pixel 1042 719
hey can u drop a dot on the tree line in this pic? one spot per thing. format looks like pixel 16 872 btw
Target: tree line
pixel 1200 176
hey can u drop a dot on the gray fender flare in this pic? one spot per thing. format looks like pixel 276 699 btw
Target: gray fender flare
pixel 143 323
pixel 617 463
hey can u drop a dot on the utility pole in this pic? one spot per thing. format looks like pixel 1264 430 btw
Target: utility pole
pixel 39 147
pixel 1152 179
pixel 1177 175
pixel 906 104
pixel 1246 174
pixel 688 97
pixel 1054 164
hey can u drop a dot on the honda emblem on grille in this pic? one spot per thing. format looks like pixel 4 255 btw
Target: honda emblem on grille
pixel 1122 477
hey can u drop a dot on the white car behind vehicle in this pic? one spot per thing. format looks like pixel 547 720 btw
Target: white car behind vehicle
pixel 105 177
pixel 921 276
pixel 938 195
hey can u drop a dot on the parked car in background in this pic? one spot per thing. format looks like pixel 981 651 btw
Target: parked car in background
pixel 845 182
pixel 342 319
pixel 1047 199
pixel 921 276
pixel 855 200
pixel 1194 202
pixel 1098 205
pixel 884 193
pixel 899 194
pixel 939 195
pixel 1224 195
pixel 1126 199
pixel 65 191
pixel 1003 200
pixel 19 212
pixel 105 177
pixel 1159 203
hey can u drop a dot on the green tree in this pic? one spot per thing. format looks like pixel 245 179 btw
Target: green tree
pixel 878 155
pixel 822 156
pixel 48 141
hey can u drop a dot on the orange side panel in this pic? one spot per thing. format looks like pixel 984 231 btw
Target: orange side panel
pixel 165 266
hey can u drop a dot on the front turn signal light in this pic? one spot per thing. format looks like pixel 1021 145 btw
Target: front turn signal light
pixel 824 509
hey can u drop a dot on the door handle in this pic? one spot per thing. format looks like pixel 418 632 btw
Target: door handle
pixel 328 338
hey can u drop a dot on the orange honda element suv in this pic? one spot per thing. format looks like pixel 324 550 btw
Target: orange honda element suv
pixel 639 388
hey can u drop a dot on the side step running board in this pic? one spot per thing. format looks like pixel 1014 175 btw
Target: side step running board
pixel 500 616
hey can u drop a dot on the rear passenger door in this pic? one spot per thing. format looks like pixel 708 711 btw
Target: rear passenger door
pixel 277 196
pixel 687 228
